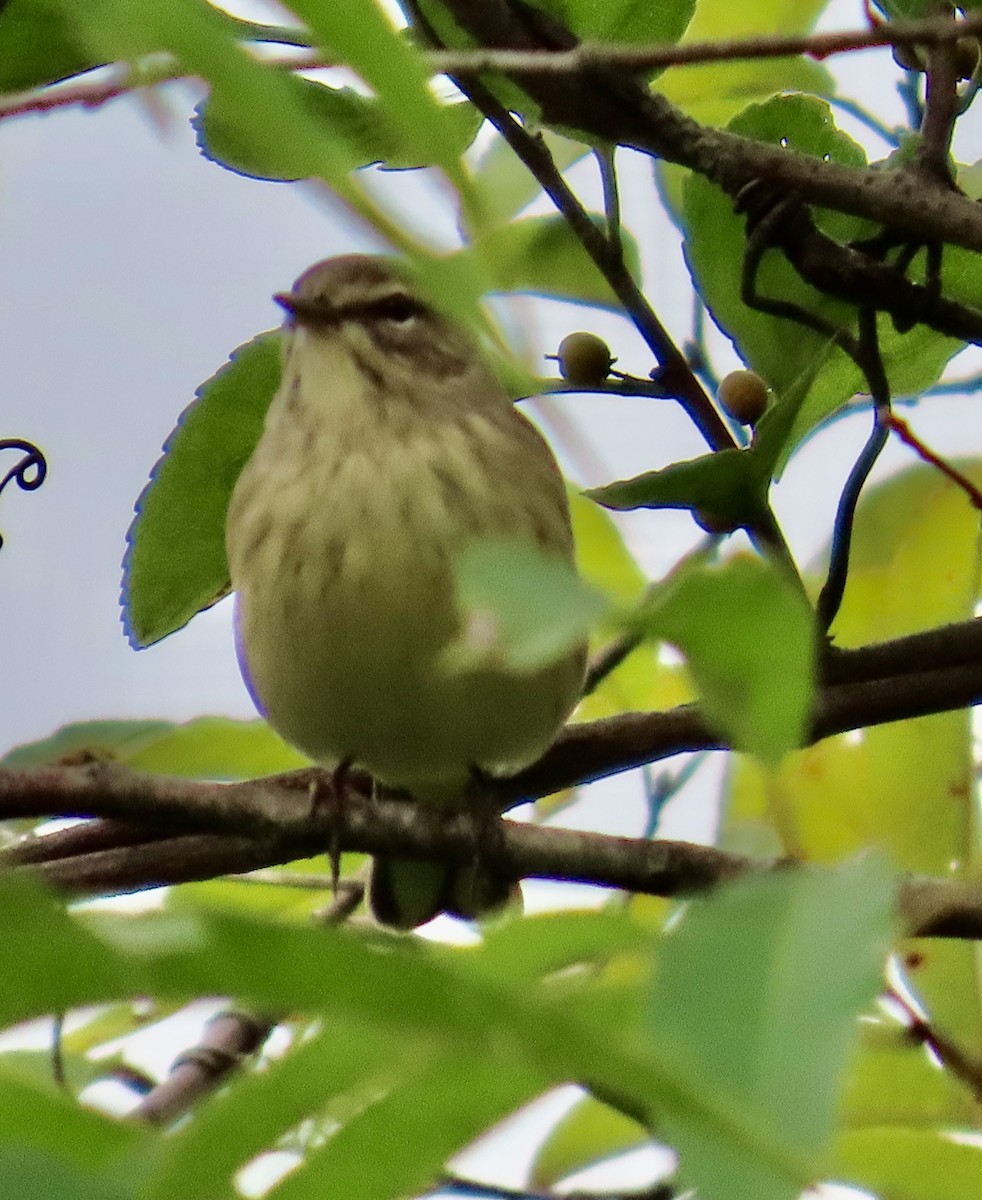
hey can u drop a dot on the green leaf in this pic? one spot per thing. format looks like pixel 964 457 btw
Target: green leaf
pixel 359 124
pixel 361 35
pixel 39 933
pixel 748 636
pixel 90 739
pixel 522 609
pixel 716 486
pixel 714 92
pixel 40 45
pixel 437 1110
pixel 755 999
pixel 642 681
pixel 777 349
pixel 217 748
pixel 780 350
pixel 175 562
pixel 519 1035
pixel 43 1119
pixel 504 185
pixel 910 1164
pixel 602 557
pixel 892 1081
pixel 543 945
pixel 209 747
pixel 727 489
pixel 587 1134
pixel 628 21
pixel 914 566
pixel 204 44
pixel 914 362
pixel 274 901
pixel 336 1061
pixel 542 255
pixel 36 1175
pixel 905 10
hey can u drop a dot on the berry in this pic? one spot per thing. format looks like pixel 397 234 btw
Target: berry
pixel 584 359
pixel 743 395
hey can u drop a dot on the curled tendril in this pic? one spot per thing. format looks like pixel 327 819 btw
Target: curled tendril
pixel 29 473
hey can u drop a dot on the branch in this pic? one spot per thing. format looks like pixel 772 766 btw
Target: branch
pixel 229 1037
pixel 961 1063
pixel 926 454
pixel 914 676
pixel 940 112
pixel 470 1189
pixel 675 373
pixel 859 279
pixel 196 830
pixel 587 56
pixel 609 105
pixel 928 907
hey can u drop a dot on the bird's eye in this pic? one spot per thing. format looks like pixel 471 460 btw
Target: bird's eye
pixel 400 309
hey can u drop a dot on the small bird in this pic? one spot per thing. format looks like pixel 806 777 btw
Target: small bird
pixel 388 449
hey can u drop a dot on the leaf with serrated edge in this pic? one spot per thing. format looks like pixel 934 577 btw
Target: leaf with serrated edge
pixel 175 562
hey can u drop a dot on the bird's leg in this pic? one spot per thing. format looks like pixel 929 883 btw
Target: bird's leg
pixel 334 799
pixel 479 888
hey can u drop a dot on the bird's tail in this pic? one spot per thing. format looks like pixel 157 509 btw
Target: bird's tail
pixel 405 892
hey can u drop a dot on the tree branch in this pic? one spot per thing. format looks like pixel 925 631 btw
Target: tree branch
pixel 931 31
pixel 229 1037
pixel 165 830
pixel 928 907
pixel 611 106
pixel 159 831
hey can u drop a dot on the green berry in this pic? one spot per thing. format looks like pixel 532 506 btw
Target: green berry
pixel 584 359
pixel 743 395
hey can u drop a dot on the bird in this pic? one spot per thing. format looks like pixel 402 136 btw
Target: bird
pixel 389 448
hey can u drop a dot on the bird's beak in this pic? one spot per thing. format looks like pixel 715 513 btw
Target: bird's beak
pixel 287 300
pixel 304 311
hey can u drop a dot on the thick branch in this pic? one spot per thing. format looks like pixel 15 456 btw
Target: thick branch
pixel 611 106
pixel 162 830
pixel 927 907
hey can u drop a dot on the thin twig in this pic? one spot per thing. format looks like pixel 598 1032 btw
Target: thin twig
pixel 869 361
pixel 909 438
pixel 963 1065
pixel 472 1189
pixel 659 789
pixel 612 200
pixel 588 56
pixel 940 112
pixel 674 372
pixel 613 106
pixel 619 385
pixel 122 81
pixel 608 658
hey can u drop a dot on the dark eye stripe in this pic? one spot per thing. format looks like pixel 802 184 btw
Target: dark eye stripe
pixel 396 307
